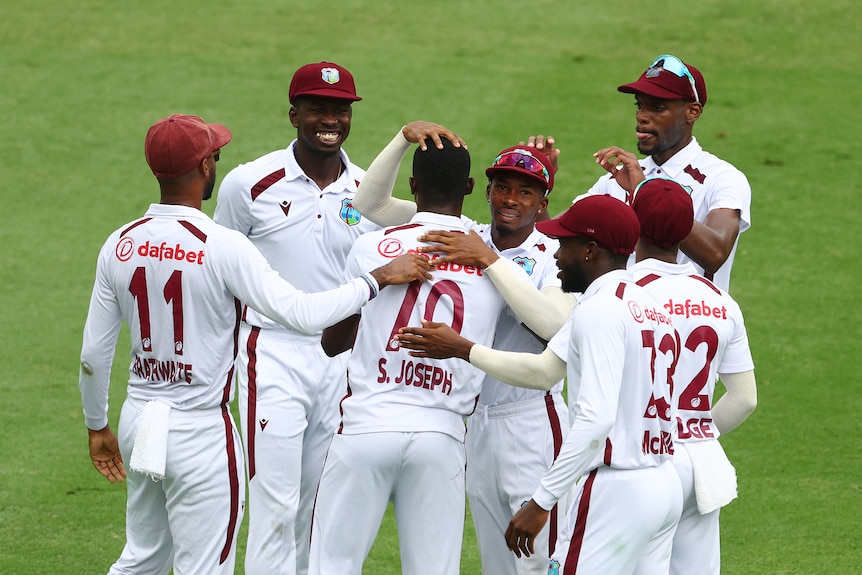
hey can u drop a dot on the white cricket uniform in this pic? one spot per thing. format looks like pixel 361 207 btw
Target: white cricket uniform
pixel 402 430
pixel 176 278
pixel 288 387
pixel 620 351
pixel 713 340
pixel 712 183
pixel 515 433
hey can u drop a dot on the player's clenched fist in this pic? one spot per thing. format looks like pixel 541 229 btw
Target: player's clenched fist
pixel 403 269
pixel 105 454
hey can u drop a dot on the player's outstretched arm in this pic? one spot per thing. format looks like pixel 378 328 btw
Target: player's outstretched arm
pixel 543 312
pixel 374 198
pixel 529 370
pixel 105 454
pixel 524 527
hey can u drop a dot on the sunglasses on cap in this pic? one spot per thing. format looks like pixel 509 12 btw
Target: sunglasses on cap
pixel 676 67
pixel 522 159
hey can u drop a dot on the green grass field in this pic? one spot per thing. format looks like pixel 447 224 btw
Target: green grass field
pixel 82 81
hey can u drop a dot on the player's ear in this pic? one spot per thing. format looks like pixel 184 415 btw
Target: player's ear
pixel 693 111
pixel 294 116
pixel 412 182
pixel 470 183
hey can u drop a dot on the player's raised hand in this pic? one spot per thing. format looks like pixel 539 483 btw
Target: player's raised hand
pixel 622 165
pixel 523 528
pixel 419 131
pixel 434 340
pixel 404 269
pixel 105 454
pixel 466 249
pixel 544 144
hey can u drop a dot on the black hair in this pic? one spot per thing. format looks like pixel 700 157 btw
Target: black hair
pixel 441 174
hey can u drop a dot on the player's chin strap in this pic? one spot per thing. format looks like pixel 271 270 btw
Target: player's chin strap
pixel 738 403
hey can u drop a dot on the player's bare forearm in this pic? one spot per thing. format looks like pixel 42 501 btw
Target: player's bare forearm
pixel 709 244
pixel 466 249
pixel 524 527
pixel 341 336
pixel 105 454
pixel 419 132
pixel 402 270
pixel 434 340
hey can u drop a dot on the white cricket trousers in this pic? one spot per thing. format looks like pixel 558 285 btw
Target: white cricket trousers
pixel 190 519
pixel 509 448
pixel 622 522
pixel 696 545
pixel 422 473
pixel 289 391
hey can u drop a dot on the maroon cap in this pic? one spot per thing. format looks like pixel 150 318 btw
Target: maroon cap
pixel 665 211
pixel 605 219
pixel 177 144
pixel 323 79
pixel 524 160
pixel 666 79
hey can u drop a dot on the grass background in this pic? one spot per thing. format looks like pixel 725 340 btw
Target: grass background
pixel 82 82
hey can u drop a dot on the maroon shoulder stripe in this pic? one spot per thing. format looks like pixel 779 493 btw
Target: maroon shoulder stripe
pixel 266 183
pixel 621 290
pixel 134 225
pixel 707 282
pixel 398 228
pixel 194 231
pixel 647 279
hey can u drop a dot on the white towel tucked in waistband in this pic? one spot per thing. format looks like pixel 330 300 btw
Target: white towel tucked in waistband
pixel 714 476
pixel 150 451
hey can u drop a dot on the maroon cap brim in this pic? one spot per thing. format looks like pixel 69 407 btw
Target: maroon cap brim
pixel 651 89
pixel 221 135
pixel 554 229
pixel 334 94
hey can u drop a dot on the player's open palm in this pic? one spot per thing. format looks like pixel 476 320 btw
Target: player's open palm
pixel 523 528
pixel 106 456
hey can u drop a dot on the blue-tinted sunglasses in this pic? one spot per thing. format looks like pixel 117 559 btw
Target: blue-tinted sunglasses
pixel 676 67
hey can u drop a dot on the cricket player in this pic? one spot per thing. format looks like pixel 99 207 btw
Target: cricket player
pixel 295 205
pixel 620 348
pixel 670 97
pixel 515 433
pixel 401 436
pixel 177 278
pixel 714 345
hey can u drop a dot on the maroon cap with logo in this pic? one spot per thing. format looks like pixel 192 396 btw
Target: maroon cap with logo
pixel 323 79
pixel 666 79
pixel 604 219
pixel 665 211
pixel 527 161
pixel 177 144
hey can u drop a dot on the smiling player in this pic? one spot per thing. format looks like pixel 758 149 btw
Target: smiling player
pixel 295 205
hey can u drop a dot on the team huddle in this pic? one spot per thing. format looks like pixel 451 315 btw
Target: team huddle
pixel 395 351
